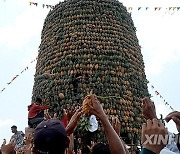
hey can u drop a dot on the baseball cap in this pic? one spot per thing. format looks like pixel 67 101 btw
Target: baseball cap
pixel 50 137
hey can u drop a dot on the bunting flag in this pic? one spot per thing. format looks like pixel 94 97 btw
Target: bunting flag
pixel 2 90
pixel 43 5
pixel 158 94
pixel 177 8
pixel 129 9
pixel 16 76
pixel 26 68
pixel 36 4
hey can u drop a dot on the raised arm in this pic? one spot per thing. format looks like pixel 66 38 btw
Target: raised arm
pixel 148 109
pixel 153 137
pixel 115 143
pixel 175 116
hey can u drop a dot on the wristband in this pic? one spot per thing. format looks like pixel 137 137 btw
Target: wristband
pixel 146 151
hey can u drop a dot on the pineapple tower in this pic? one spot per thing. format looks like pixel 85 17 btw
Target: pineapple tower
pixel 92 45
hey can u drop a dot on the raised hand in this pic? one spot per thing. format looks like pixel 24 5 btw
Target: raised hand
pixel 116 125
pixel 91 146
pixel 175 116
pixel 55 116
pixel 29 141
pixel 73 122
pixel 95 107
pixel 7 148
pixel 19 151
pixel 69 112
pixel 47 115
pixel 148 109
pixel 153 135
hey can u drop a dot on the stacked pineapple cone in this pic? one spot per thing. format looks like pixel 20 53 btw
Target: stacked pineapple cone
pixel 92 45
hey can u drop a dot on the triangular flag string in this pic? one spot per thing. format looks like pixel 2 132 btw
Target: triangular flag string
pixel 43 5
pixel 16 76
pixel 152 86
pixel 129 8
pixel 158 94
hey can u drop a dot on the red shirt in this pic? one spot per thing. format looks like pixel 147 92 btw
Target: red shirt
pixel 64 121
pixel 34 109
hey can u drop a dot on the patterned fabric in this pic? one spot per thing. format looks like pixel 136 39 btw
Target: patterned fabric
pixel 167 151
pixel 171 147
pixel 18 139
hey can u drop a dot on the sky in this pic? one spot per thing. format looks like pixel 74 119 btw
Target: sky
pixel 20 35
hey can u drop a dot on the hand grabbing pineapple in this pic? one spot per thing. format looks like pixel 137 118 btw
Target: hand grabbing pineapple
pixel 86 103
pixel 91 105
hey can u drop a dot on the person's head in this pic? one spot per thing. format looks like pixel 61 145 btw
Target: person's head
pixel 101 148
pixel 50 137
pixel 14 129
pixel 38 101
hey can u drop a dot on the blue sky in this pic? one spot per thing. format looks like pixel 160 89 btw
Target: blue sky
pixel 20 33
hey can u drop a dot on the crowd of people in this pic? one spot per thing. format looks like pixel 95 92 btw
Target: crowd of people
pixel 49 135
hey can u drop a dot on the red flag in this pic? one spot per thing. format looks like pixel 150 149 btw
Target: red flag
pixel 157 93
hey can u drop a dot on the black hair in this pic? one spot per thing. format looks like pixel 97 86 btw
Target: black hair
pixel 39 100
pixel 57 145
pixel 101 148
pixel 14 126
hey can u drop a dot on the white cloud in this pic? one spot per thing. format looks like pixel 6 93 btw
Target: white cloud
pixel 22 2
pixel 31 57
pixel 159 39
pixel 25 27
pixel 5 127
pixel 159 60
pixel 7 122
